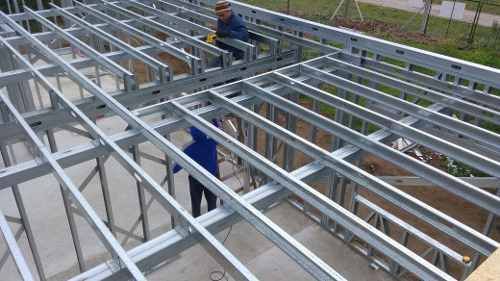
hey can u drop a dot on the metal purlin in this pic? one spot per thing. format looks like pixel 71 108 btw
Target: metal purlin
pixel 10 239
pixel 416 264
pixel 309 261
pixel 91 216
pixel 167 201
pixel 492 244
pixel 323 69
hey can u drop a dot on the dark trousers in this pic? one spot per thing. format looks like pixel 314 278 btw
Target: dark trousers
pixel 196 190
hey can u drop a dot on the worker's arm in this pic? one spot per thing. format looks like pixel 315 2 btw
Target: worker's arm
pixel 239 32
pixel 188 151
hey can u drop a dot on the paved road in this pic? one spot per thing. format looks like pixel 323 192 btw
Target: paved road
pixel 415 6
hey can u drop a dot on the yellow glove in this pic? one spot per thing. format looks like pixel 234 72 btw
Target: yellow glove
pixel 211 38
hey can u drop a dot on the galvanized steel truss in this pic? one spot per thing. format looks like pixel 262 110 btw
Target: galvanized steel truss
pixel 379 92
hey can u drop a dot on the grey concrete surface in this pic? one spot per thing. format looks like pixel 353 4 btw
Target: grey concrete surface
pixel 268 262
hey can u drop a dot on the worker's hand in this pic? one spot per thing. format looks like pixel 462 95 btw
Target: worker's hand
pixel 222 34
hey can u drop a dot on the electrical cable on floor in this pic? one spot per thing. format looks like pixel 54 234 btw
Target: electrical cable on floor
pixel 219 275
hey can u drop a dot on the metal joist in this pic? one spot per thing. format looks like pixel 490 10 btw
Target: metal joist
pixel 199 12
pixel 214 247
pixel 117 69
pixel 255 91
pixel 362 229
pixel 440 220
pixel 425 80
pixel 452 102
pixel 457 257
pixel 471 193
pixel 188 39
pixel 473 132
pixel 249 49
pixel 10 240
pixel 89 213
pixel 92 107
pixel 193 61
pixel 162 69
pixel 353 40
pixel 168 17
pixel 309 261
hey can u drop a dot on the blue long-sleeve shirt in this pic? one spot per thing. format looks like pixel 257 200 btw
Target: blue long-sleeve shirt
pixel 203 151
pixel 235 28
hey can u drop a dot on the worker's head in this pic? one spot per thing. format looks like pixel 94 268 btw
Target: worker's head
pixel 223 10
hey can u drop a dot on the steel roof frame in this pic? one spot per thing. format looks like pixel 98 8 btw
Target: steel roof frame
pixel 355 71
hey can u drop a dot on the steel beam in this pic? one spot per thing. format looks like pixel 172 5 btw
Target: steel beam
pixel 193 61
pixel 365 231
pixel 213 246
pixel 149 254
pixel 473 132
pixel 198 12
pixel 161 68
pixel 10 240
pixel 473 109
pixel 90 215
pixel 426 80
pixel 24 221
pixel 440 220
pixel 355 40
pixel 117 69
pixel 249 49
pixel 190 40
pixel 454 255
pixel 468 192
pixel 307 259
pixel 92 107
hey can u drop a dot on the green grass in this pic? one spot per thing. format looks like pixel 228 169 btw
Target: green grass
pixel 484 50
pixel 493 7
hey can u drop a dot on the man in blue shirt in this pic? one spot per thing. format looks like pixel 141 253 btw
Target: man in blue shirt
pixel 203 150
pixel 231 26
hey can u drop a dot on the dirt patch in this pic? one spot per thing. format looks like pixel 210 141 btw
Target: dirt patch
pixel 176 65
pixel 140 69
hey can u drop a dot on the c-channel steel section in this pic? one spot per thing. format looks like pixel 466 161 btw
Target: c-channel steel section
pixel 190 40
pixel 198 12
pixel 10 240
pixel 353 39
pixel 146 256
pixel 164 198
pixel 126 75
pixel 293 248
pixel 88 212
pixel 152 253
pixel 428 81
pixel 193 61
pixel 24 217
pixel 462 105
pixel 469 192
pixel 364 230
pixel 459 231
pixel 162 69
pixel 249 49
pixel 471 131
pixel 151 92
